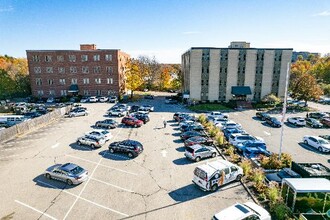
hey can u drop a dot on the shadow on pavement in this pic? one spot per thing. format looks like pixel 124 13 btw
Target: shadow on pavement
pixel 182 161
pixel 116 156
pixel 76 146
pixel 42 181
pixel 181 149
pixel 187 193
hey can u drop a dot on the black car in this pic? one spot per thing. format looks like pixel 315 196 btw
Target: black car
pixel 284 173
pixel 262 115
pixel 130 147
pixel 149 97
pixel 317 115
pixel 143 117
pixel 274 122
pixel 189 134
pixel 192 127
pixel 134 108
pixel 32 114
pixel 312 122
pixel 107 123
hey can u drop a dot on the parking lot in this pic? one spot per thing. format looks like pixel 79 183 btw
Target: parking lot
pixel 155 185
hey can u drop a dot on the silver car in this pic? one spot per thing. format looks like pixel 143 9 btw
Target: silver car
pixel 78 112
pixel 197 152
pixel 69 173
pixel 93 142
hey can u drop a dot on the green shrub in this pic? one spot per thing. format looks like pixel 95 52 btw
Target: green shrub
pixel 246 166
pixel 280 211
pixel 202 119
pixel 213 131
pixel 257 175
pixel 219 139
pixel 230 151
pixel 273 192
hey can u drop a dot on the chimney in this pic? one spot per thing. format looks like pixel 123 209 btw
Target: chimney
pixel 87 47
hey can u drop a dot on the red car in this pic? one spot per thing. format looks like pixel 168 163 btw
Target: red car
pixel 131 121
pixel 325 121
pixel 198 140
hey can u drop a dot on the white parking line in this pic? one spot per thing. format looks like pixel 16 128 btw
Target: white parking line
pixel 124 171
pixel 55 145
pixel 109 184
pixel 42 213
pixel 267 133
pixel 14 148
pixel 87 200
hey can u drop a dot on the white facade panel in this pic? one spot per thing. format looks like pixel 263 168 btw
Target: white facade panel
pixel 214 74
pixel 250 70
pixel 195 73
pixel 267 75
pixel 231 72
pixel 286 58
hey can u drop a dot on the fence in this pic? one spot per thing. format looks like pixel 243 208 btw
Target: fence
pixel 32 124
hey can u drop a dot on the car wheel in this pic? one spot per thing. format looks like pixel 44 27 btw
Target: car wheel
pixel 320 149
pixel 48 176
pixel 239 177
pixel 111 150
pixel 135 126
pixel 213 155
pixel 109 127
pixel 130 155
pixel 214 188
pixel 306 142
pixel 69 182
pixel 85 114
pixel 93 146
pixel 78 142
pixel 197 159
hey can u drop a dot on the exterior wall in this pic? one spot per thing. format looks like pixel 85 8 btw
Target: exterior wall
pixel 186 72
pixel 250 70
pixel 286 58
pixel 104 88
pixel 214 75
pixel 267 72
pixel 195 74
pixel 231 72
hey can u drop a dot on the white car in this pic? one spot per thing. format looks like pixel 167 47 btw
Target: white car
pixel 84 100
pixel 103 99
pixel 319 143
pixel 78 112
pixel 113 99
pixel 100 133
pixel 117 112
pixel 238 138
pixel 248 210
pixel 297 121
pixel 231 124
pixel 218 115
pixel 92 99
pixel 216 120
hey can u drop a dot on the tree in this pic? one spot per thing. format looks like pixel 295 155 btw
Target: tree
pixel 133 75
pixel 7 88
pixel 165 78
pixel 305 88
pixel 271 99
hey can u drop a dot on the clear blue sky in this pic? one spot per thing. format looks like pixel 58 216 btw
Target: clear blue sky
pixel 162 28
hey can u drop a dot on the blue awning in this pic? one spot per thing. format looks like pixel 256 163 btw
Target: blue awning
pixel 241 90
pixel 73 88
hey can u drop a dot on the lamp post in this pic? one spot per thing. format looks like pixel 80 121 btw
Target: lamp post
pixel 284 108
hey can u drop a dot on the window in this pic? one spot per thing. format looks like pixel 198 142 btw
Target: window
pixel 52 92
pixel 97 69
pixel 85 69
pixel 40 92
pixel 84 58
pixel 108 57
pixel 49 69
pixel 73 81
pixel 38 81
pixel 98 92
pixel 62 81
pixel 86 80
pixel 37 69
pixel 98 80
pixel 61 70
pixel 72 58
pixel 63 93
pixel 96 57
pixel 86 92
pixel 48 58
pixel 109 69
pixel 109 81
pixel 36 58
pixel 50 82
pixel 60 58
pixel 73 69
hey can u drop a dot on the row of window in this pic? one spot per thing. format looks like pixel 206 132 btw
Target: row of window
pixel 65 92
pixel 85 81
pixel 260 57
pixel 74 69
pixel 70 58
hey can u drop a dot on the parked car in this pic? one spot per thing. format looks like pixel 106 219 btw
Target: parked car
pixel 141 116
pixel 228 131
pixel 274 122
pixel 149 97
pixel 229 124
pixel 107 123
pixel 92 141
pixel 103 99
pixel 134 108
pixel 32 114
pixel 216 120
pixel 317 115
pixel 235 139
pixel 131 121
pixel 148 108
pixel 326 137
pixel 130 147
pixel 278 176
pixel 93 99
pixel 246 211
pixel 171 101
pixel 255 152
pixel 246 144
pixel 69 173
pixel 112 99
pixel 198 140
pixel 186 123
pixel 84 99
pixel 197 152
pixel 189 134
pixel 78 112
pixel 117 112
pixel 218 115
pixel 312 122
pixel 297 121
pixel 190 127
pixel 100 133
pixel 325 122
pixel 319 143
pixel 262 115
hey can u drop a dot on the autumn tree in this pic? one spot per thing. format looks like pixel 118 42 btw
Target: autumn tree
pixel 133 75
pixel 271 98
pixel 165 78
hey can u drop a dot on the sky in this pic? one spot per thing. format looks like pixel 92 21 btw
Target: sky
pixel 162 28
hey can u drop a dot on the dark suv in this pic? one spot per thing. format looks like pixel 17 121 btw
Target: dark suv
pixel 143 117
pixel 130 147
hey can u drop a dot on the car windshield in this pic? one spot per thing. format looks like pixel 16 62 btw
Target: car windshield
pixel 76 170
pixel 283 174
pixel 105 132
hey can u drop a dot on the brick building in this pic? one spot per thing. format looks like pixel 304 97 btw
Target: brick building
pixel 87 72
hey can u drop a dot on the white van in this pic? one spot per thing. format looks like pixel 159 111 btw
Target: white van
pixel 12 119
pixel 211 176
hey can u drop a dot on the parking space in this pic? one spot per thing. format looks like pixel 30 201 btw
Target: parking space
pixel 155 185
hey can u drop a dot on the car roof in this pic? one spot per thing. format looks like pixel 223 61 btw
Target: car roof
pixel 234 212
pixel 68 166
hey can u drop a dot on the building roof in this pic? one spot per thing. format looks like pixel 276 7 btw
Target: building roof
pixel 305 185
pixel 73 88
pixel 241 90
pixel 251 48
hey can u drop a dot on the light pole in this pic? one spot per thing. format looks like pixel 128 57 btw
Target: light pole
pixel 284 108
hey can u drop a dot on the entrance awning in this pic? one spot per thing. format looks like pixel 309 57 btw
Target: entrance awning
pixel 73 88
pixel 241 90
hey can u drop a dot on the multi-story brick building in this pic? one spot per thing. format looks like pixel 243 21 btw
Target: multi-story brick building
pixel 236 72
pixel 88 71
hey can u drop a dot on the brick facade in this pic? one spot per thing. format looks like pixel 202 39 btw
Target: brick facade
pixel 95 72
